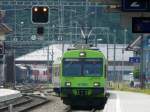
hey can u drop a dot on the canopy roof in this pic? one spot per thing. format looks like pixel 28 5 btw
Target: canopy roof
pixel 56 50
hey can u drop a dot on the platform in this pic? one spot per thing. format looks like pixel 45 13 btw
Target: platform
pixel 8 94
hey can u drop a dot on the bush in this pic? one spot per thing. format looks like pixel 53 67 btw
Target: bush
pixel 136 73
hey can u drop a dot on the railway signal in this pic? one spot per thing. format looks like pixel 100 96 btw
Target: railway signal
pixel 40 30
pixel 40 14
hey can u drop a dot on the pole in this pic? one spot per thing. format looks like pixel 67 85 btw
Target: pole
pixel 48 62
pixel 21 30
pixel 15 18
pixel 76 33
pixel 142 64
pixel 61 22
pixel 10 108
pixel 86 12
pixel 1 61
pixel 107 51
pixel 114 63
pixel 71 28
pixel 125 36
pixel 14 68
pixel 4 63
pixel 95 41
pixel 53 32
pixel 122 62
pixel 52 55
pixel 107 44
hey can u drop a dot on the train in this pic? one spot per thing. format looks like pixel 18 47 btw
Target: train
pixel 83 77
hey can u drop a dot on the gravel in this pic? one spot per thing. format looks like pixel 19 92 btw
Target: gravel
pixel 54 105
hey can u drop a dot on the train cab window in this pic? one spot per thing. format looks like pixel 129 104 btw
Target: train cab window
pixel 71 68
pixel 82 67
pixel 92 68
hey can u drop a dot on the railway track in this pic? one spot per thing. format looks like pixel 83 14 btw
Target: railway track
pixel 68 109
pixel 23 104
pixel 93 110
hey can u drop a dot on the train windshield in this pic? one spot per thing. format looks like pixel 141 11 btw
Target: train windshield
pixel 92 68
pixel 82 67
pixel 71 67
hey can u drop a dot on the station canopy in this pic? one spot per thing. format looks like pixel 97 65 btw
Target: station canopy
pixel 42 54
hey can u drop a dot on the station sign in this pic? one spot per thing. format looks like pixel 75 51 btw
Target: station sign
pixel 134 59
pixel 141 24
pixel 135 5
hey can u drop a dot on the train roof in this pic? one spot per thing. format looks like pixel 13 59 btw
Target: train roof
pixel 96 49
pixel 88 53
pixel 85 47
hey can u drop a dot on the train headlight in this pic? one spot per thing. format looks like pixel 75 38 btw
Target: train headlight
pixel 68 83
pixel 82 54
pixel 96 84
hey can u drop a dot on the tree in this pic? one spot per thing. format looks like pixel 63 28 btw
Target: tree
pixel 136 73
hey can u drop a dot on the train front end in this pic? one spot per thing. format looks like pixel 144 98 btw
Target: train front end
pixel 83 77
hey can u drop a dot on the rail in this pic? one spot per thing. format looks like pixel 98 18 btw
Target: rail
pixel 31 101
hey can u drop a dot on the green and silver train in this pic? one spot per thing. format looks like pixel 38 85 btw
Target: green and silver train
pixel 83 77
